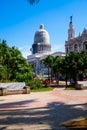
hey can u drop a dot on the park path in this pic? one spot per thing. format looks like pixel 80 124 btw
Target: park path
pixel 42 110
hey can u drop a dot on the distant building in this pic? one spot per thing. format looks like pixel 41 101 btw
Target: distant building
pixel 75 44
pixel 41 48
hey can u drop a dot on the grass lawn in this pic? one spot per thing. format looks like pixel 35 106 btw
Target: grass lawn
pixel 42 89
pixel 70 88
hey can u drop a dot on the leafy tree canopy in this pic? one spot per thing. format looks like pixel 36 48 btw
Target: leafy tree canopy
pixel 13 66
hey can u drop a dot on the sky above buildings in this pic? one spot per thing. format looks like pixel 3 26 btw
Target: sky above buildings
pixel 19 21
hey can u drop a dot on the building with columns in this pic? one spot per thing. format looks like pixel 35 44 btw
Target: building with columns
pixel 41 48
pixel 75 44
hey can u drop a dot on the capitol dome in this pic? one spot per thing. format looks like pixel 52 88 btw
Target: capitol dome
pixel 41 41
pixel 41 36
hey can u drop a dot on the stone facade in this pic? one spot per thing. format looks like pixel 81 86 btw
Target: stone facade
pixel 40 50
pixel 75 44
pixel 36 59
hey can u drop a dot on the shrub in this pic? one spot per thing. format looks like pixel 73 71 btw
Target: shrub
pixel 26 77
pixel 35 84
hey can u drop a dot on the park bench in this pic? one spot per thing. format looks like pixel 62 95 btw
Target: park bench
pixel 13 88
pixel 81 85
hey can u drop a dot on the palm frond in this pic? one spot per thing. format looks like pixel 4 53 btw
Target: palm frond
pixel 33 1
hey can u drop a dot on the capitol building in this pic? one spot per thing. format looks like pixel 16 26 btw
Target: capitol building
pixel 41 48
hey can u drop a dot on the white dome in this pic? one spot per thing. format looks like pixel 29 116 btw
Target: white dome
pixel 41 36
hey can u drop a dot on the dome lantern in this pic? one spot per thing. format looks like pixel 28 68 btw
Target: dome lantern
pixel 42 26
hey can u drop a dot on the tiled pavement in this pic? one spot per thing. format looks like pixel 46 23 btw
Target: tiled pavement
pixel 42 110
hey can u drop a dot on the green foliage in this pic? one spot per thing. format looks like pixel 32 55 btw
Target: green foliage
pixel 70 88
pixel 73 65
pixel 24 77
pixel 54 63
pixel 13 67
pixel 3 73
pixel 42 89
pixel 35 84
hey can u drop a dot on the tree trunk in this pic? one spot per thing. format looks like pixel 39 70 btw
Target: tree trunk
pixel 57 79
pixel 75 79
pixel 66 80
pixel 48 72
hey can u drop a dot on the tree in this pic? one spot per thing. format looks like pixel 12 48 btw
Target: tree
pixel 3 73
pixel 57 67
pixel 48 61
pixel 3 52
pixel 33 1
pixel 74 63
pixel 12 65
pixel 83 64
pixel 19 68
pixel 65 68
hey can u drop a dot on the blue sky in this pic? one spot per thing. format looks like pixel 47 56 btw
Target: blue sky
pixel 19 21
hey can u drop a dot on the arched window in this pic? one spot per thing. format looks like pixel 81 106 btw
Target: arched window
pixel 75 48
pixel 66 50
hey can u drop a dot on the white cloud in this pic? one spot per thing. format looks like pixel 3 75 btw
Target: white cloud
pixel 25 50
pixel 55 47
pixel 25 54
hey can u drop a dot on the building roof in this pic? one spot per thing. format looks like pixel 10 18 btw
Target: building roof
pixel 41 36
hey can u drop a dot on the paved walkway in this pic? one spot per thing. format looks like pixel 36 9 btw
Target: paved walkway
pixel 42 110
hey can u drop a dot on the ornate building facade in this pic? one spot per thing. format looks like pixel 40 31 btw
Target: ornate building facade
pixel 75 44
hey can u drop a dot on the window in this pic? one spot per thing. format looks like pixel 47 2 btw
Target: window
pixel 86 47
pixel 75 48
pixel 66 50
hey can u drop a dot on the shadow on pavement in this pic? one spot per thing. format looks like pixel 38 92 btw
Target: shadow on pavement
pixel 54 114
pixel 18 104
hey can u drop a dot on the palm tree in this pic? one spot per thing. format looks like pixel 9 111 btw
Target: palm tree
pixel 33 1
pixel 83 64
pixel 74 64
pixel 65 68
pixel 3 52
pixel 48 61
pixel 57 67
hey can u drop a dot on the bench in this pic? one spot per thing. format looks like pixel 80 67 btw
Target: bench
pixel 13 88
pixel 81 85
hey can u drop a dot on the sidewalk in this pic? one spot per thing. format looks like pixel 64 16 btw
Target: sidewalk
pixel 42 110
